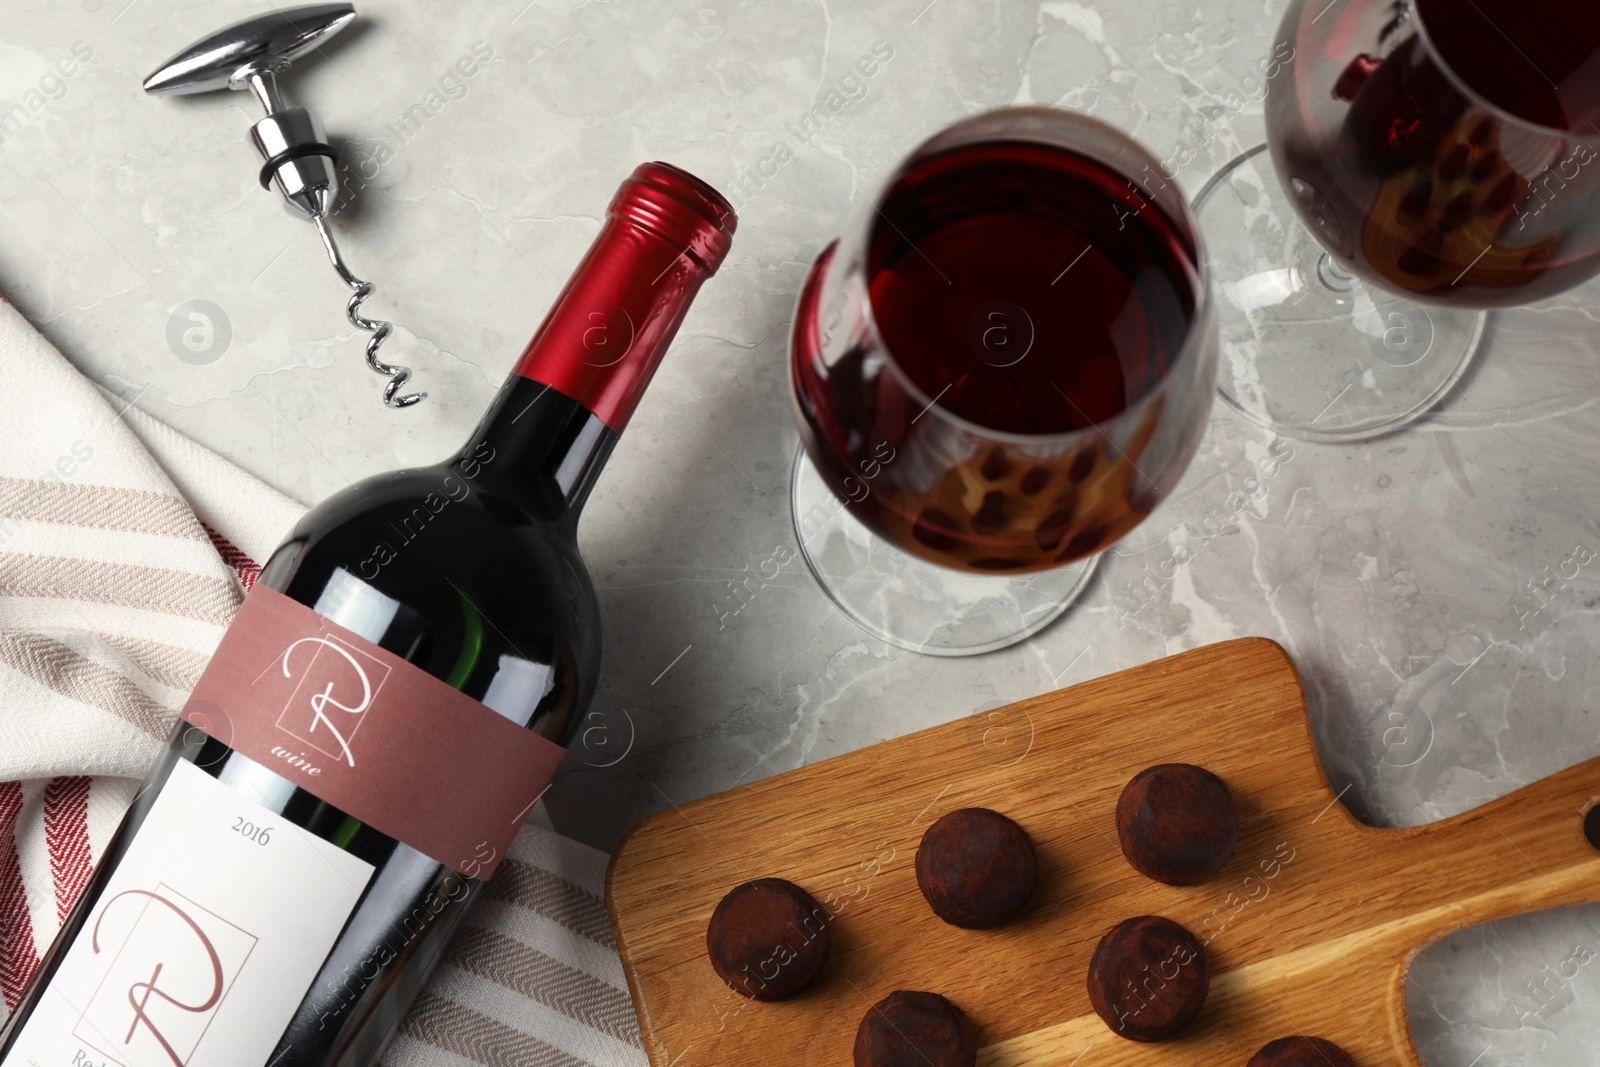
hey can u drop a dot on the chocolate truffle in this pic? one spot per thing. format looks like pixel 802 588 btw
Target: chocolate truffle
pixel 1177 823
pixel 976 868
pixel 1148 978
pixel 907 1029
pixel 768 939
pixel 1301 1052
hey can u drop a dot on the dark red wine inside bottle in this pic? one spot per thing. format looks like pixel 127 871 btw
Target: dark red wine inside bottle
pixel 380 717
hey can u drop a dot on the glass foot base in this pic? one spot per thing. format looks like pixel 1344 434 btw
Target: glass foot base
pixel 1308 350
pixel 909 602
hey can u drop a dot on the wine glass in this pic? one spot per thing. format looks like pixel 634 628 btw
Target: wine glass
pixel 999 368
pixel 1433 159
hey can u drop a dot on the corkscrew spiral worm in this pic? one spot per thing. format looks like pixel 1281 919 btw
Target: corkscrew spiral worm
pixel 398 375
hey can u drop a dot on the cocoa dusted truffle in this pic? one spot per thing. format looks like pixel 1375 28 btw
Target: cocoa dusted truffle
pixel 768 939
pixel 1301 1052
pixel 1177 823
pixel 976 868
pixel 907 1029
pixel 1148 978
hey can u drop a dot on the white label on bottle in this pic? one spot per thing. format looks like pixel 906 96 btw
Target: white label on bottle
pixel 203 944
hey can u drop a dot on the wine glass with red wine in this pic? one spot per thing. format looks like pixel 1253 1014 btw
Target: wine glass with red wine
pixel 1433 158
pixel 999 368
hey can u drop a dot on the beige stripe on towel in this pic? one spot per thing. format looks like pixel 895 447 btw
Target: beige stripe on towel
pixel 55 666
pixel 159 661
pixel 192 596
pixel 550 982
pixel 555 898
pixel 102 507
pixel 447 1025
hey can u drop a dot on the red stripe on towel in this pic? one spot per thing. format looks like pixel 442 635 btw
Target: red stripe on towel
pixel 17 955
pixel 66 831
pixel 246 568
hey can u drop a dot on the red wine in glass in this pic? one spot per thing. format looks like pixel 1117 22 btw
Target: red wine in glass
pixel 1031 372
pixel 1449 151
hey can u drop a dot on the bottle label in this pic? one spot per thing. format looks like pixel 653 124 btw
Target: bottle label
pixel 203 944
pixel 376 737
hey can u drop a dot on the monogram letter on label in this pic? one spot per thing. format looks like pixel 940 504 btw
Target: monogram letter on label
pixel 170 964
pixel 337 684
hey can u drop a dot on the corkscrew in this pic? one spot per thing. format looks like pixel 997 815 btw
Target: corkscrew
pixel 297 158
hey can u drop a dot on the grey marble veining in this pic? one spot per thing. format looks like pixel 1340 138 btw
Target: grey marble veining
pixel 1403 575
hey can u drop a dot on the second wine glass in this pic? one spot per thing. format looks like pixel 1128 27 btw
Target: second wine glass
pixel 1427 160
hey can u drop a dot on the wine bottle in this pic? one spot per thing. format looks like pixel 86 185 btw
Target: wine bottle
pixel 380 717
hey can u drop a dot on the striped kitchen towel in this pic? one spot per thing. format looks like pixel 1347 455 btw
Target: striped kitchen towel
pixel 125 549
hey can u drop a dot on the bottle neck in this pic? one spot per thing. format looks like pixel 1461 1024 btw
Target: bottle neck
pixel 608 330
pixel 579 380
pixel 537 449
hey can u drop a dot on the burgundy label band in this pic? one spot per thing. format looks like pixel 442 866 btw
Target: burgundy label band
pixel 367 732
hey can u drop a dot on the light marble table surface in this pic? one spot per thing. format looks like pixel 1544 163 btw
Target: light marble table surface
pixel 1397 573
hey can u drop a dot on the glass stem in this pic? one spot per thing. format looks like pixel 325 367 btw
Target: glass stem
pixel 1333 276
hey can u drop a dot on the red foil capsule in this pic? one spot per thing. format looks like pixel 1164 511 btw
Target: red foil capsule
pixel 665 233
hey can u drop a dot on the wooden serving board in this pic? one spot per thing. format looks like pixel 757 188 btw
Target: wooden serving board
pixel 1309 930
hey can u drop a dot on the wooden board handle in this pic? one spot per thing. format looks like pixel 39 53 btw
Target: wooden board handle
pixel 1522 853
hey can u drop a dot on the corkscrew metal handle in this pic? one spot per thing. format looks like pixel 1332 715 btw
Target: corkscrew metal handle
pixel 297 157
